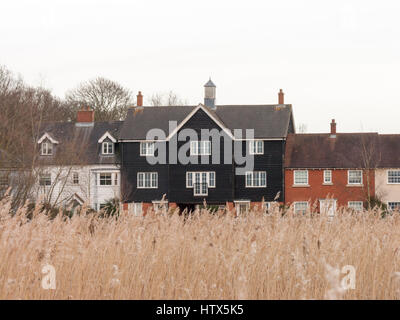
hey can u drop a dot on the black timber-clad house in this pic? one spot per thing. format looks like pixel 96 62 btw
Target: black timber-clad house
pixel 144 183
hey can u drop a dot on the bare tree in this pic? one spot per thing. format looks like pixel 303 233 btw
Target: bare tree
pixel 109 99
pixel 371 156
pixel 23 110
pixel 302 128
pixel 167 99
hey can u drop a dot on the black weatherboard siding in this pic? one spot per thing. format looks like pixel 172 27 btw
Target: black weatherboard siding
pixel 132 163
pixel 271 123
pixel 270 162
pixel 224 188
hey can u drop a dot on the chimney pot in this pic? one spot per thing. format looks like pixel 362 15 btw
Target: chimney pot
pixel 281 99
pixel 139 100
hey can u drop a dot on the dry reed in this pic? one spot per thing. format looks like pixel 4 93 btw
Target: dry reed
pixel 204 256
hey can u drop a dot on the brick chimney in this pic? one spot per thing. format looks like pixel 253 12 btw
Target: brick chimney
pixel 139 100
pixel 281 99
pixel 85 116
pixel 333 127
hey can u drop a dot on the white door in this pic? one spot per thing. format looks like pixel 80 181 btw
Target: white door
pixel 328 207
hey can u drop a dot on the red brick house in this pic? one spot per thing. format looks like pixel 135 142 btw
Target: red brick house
pixel 330 170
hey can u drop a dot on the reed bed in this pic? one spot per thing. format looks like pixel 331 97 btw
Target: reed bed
pixel 200 256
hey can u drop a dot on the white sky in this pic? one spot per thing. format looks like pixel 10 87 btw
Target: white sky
pixel 337 59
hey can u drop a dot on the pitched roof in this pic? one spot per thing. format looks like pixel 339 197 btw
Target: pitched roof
pixel 84 136
pixel 210 84
pixel 347 150
pixel 268 121
pixel 389 145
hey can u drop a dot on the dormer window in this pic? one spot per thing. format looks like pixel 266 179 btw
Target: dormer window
pixel 47 148
pixel 47 143
pixel 107 144
pixel 107 147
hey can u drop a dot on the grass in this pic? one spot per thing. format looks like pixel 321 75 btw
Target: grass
pixel 204 256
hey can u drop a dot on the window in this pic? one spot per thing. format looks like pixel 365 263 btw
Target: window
pixel 147 180
pixel 327 176
pixel 200 184
pixel 200 148
pixel 137 209
pixel 107 147
pixel 256 179
pixel 256 147
pixel 47 149
pixel 394 176
pixel 105 179
pixel 392 206
pixel 160 205
pixel 355 205
pixel 266 206
pixel 45 179
pixel 209 180
pixel 300 207
pixel 242 207
pixel 301 177
pixel 4 179
pixel 147 149
pixel 355 177
pixel 102 206
pixel 75 178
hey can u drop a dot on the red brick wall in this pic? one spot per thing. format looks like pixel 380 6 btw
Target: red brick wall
pixel 338 190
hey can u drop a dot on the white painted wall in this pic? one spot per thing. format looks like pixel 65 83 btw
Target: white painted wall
pixel 385 191
pixel 62 189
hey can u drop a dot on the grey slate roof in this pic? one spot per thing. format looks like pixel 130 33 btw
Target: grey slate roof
pixel 268 121
pixel 86 137
pixel 210 84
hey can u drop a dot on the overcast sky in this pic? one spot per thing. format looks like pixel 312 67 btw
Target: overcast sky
pixel 333 59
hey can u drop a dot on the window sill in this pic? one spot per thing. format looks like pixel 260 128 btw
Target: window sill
pixel 327 184
pixel 355 185
pixel 301 186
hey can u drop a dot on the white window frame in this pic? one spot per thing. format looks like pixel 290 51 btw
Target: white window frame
pixel 397 176
pixel 45 177
pixel 190 178
pixel 75 175
pixel 200 148
pixel 391 204
pixel 201 175
pixel 151 179
pixel 355 205
pixel 114 179
pixel 254 147
pixel 253 179
pixel 160 205
pixel 240 203
pixel 147 149
pixel 300 183
pixel 137 209
pixel 298 203
pixel 46 148
pixel 105 148
pixel 354 183
pixel 326 176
